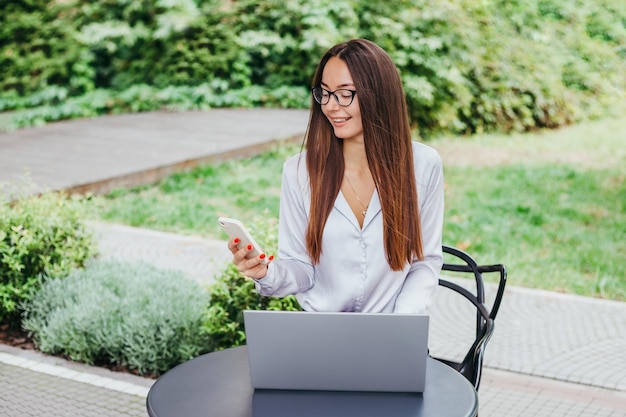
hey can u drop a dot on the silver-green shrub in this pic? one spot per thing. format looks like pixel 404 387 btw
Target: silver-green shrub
pixel 129 314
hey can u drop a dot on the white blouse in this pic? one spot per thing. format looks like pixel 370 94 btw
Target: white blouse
pixel 353 273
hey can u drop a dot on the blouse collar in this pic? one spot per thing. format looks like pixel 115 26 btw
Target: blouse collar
pixel 341 204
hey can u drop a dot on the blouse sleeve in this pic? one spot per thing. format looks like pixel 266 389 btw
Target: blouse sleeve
pixel 292 271
pixel 423 277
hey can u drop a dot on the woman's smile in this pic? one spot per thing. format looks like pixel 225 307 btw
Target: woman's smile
pixel 340 121
pixel 346 120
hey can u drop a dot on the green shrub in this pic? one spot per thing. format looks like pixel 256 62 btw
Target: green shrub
pixel 205 51
pixel 467 65
pixel 281 42
pixel 232 293
pixel 38 49
pixel 134 315
pixel 39 236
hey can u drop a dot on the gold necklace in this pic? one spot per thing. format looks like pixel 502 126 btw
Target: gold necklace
pixel 365 207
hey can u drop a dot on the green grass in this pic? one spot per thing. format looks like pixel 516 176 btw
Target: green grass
pixel 550 205
pixel 553 226
pixel 191 202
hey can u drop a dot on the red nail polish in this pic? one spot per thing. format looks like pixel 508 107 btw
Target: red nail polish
pixel 271 257
pixel 249 247
pixel 236 240
pixel 262 256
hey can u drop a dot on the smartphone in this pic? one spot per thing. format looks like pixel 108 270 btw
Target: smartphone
pixel 234 228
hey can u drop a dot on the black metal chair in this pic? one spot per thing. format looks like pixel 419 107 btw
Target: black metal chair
pixel 471 365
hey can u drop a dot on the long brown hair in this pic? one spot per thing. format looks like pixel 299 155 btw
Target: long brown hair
pixel 388 148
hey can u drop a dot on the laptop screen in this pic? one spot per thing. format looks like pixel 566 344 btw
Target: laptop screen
pixel 337 351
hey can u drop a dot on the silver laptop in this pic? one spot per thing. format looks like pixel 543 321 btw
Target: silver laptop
pixel 337 351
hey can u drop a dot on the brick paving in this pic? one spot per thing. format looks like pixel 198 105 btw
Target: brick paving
pixel 30 393
pixel 34 384
pixel 551 354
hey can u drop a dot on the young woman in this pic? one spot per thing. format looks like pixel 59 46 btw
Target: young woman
pixel 361 209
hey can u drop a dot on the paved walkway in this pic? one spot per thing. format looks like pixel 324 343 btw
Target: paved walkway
pixel 100 154
pixel 551 354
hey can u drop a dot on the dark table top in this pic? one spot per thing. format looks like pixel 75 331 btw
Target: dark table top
pixel 218 384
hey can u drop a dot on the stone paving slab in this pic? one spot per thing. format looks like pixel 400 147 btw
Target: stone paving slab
pixel 97 155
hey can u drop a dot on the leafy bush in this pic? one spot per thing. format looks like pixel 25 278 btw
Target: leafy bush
pixel 39 236
pixel 472 66
pixel 425 40
pixel 158 43
pixel 232 293
pixel 48 96
pixel 204 52
pixel 281 41
pixel 134 315
pixel 38 49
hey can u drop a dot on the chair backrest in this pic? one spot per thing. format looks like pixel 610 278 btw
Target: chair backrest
pixel 471 365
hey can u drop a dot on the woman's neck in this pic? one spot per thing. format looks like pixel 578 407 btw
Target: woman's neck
pixel 355 158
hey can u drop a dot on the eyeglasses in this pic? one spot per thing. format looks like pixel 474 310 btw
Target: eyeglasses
pixel 343 97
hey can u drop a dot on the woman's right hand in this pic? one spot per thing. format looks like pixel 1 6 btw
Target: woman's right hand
pixel 255 268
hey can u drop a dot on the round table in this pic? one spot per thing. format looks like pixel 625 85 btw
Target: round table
pixel 218 385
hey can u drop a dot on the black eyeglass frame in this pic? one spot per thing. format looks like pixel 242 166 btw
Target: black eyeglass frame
pixel 331 93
